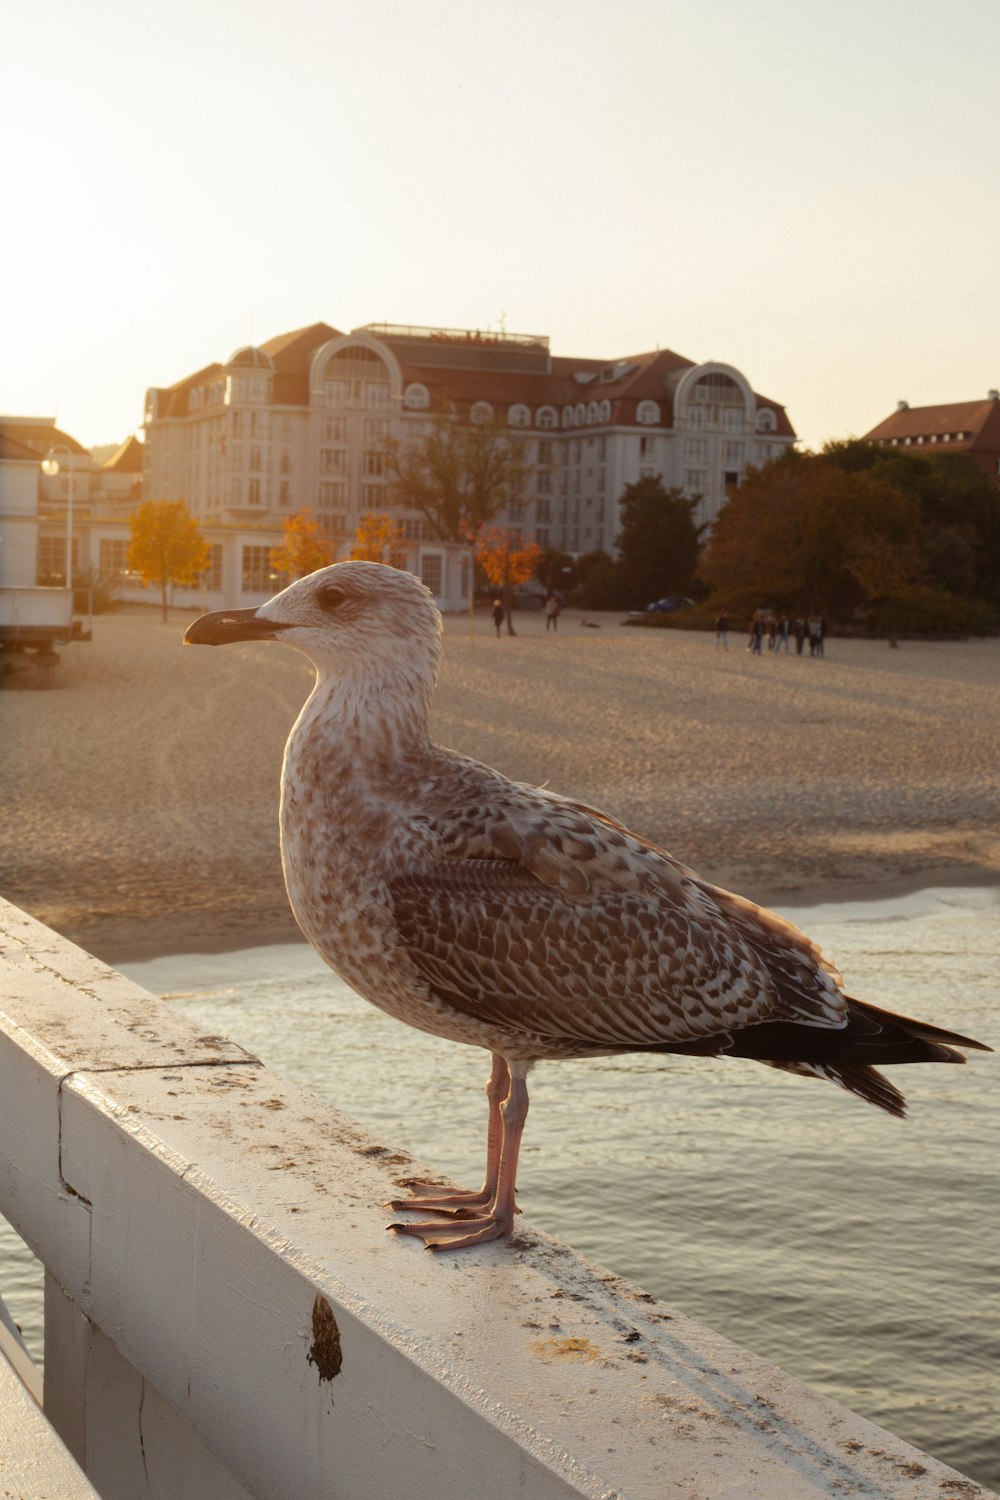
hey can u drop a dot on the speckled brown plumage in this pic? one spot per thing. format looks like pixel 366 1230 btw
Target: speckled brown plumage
pixel 505 916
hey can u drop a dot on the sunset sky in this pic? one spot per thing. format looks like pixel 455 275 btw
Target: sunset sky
pixel 809 192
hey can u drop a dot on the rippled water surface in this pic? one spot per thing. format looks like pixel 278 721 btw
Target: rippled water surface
pixel 857 1251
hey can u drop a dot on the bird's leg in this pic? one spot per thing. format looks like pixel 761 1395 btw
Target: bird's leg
pixel 498 1218
pixel 437 1198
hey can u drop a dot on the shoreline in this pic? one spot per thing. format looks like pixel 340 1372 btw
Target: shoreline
pixel 140 794
pixel 123 941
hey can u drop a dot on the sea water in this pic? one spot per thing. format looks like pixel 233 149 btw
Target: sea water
pixel 857 1251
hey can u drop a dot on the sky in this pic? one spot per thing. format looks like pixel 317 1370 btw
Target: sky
pixel 807 191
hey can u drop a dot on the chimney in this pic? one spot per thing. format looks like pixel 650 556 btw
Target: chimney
pixel 993 395
pixel 902 405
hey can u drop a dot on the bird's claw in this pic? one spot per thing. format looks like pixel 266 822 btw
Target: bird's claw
pixel 458 1235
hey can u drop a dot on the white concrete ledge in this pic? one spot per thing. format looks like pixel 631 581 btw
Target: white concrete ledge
pixel 216 1235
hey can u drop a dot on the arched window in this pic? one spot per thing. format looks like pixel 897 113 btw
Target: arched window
pixel 648 413
pixel 416 397
pixel 481 412
pixel 579 414
pixel 766 420
pixel 567 416
pixel 519 416
pixel 593 412
pixel 547 416
pixel 605 414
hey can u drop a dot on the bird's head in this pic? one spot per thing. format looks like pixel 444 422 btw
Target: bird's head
pixel 350 616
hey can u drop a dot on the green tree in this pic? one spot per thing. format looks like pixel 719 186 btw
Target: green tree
pixel 166 546
pixel 304 549
pixel 459 475
pixel 658 542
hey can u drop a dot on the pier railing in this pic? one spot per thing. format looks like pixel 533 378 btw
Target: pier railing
pixel 225 1315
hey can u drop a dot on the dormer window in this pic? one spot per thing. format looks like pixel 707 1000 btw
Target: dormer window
pixel 648 413
pixel 416 397
pixel 519 416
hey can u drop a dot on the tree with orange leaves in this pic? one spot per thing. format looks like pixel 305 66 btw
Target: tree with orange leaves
pixel 378 539
pixel 166 546
pixel 304 549
pixel 506 562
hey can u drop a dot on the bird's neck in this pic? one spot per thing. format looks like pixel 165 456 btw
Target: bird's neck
pixel 366 719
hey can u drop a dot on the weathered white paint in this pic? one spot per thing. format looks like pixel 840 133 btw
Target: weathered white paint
pixel 34 1463
pixel 206 1224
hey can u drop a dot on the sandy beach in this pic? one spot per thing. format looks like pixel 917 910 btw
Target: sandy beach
pixel 140 793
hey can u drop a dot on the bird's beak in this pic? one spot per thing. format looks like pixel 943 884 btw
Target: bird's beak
pixel 223 626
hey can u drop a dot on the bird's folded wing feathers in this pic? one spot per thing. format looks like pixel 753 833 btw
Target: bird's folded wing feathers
pixel 558 917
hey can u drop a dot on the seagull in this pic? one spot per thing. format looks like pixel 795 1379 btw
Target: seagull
pixel 507 917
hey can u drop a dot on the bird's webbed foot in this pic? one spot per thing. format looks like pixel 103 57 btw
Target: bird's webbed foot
pixel 436 1197
pixel 478 1229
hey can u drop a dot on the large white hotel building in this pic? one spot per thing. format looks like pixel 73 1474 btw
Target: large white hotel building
pixel 304 420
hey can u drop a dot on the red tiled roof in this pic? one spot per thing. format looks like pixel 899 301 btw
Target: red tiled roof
pixel 126 459
pixel 40 437
pixel 973 417
pixel 12 450
pixel 624 382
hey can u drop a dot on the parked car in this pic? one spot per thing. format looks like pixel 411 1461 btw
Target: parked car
pixel 671 603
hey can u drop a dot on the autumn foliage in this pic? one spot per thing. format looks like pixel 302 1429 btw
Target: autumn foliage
pixel 166 546
pixel 304 548
pixel 378 539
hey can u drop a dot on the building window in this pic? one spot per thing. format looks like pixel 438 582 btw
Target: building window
pixel 284 497
pixel 648 413
pixel 519 416
pixel 695 481
pixel 374 463
pixel 545 451
pixel 413 531
pixel 416 397
pixel 373 495
pixel 376 430
pixel 543 511
pixel 731 477
pixel 333 492
pixel 112 557
pixel 547 416
pixel 256 570
pixel 212 576
pixel 333 461
pixel 334 429
pixel 543 483
pixel 254 492
pixel 766 420
pixel 285 464
pixel 481 412
pixel 431 571
pixel 542 537
pixel 732 452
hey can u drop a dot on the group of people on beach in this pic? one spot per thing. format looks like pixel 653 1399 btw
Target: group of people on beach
pixel 778 631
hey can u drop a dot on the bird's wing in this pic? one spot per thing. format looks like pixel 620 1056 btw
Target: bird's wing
pixel 543 913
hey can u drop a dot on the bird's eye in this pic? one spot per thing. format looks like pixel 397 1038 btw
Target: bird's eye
pixel 330 597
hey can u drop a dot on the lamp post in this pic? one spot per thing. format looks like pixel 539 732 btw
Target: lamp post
pixel 50 467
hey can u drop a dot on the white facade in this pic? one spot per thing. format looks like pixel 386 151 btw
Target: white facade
pixel 308 420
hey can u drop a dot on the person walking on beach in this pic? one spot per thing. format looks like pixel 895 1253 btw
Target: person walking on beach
pixel 552 613
pixel 756 636
pixel 783 635
pixel 497 615
pixel 800 634
pixel 722 633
